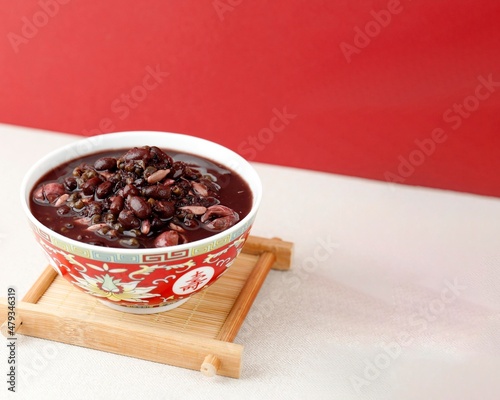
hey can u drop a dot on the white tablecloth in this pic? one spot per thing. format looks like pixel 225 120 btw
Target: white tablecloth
pixel 394 293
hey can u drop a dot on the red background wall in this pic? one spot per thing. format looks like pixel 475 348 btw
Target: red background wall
pixel 406 100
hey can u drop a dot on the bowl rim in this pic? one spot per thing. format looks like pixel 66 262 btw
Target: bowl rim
pixel 255 185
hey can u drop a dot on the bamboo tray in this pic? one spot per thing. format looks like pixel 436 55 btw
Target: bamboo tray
pixel 197 335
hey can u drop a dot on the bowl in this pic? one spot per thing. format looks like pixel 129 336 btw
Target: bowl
pixel 146 280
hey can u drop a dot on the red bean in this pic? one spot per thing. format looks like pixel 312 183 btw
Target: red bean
pixel 130 190
pixel 116 205
pixel 136 154
pixel 104 190
pixel 128 219
pixel 105 163
pixel 165 209
pixel 139 206
pixel 89 187
pixel 156 191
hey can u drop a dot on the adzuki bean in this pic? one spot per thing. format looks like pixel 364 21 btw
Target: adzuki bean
pixel 104 189
pixel 140 197
pixel 105 163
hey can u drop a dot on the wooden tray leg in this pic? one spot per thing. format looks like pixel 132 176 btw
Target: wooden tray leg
pixel 240 309
pixel 32 296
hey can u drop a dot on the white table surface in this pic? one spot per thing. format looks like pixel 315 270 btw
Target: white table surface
pixel 394 293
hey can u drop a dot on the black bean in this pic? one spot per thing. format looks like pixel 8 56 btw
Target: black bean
pixel 157 224
pixel 70 183
pixel 160 155
pixel 177 169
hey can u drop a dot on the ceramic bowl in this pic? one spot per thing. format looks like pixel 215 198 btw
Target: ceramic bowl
pixel 152 280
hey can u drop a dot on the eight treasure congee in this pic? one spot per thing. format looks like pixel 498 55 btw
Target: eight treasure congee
pixel 141 197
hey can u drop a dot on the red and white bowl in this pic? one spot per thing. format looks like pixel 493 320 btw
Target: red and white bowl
pixel 143 281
